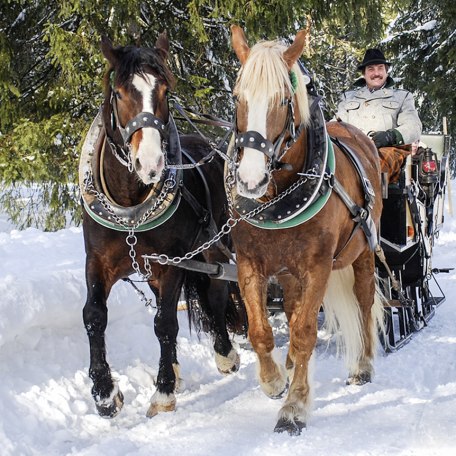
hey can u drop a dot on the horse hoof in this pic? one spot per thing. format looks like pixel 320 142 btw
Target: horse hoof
pixel 228 364
pixel 110 407
pixel 281 394
pixel 277 386
pixel 360 379
pixel 161 403
pixel 292 427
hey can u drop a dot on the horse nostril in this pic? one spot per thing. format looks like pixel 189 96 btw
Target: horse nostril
pixel 138 165
pixel 152 174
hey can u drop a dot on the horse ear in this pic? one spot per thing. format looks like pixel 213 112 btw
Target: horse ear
pixel 162 43
pixel 108 50
pixel 239 42
pixel 292 54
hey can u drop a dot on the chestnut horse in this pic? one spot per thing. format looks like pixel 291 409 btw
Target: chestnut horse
pixel 319 252
pixel 136 203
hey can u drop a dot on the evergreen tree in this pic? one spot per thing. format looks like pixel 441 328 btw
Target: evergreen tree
pixel 51 71
pixel 423 41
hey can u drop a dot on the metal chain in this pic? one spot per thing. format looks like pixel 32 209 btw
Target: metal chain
pixel 168 185
pixel 131 241
pixel 230 223
pixel 148 302
pixel 131 238
pixel 201 162
pixel 123 161
pixel 214 148
pixel 165 259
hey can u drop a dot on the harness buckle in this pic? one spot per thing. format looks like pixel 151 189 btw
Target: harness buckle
pixel 330 179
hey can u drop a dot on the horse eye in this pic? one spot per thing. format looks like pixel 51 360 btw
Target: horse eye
pixel 117 94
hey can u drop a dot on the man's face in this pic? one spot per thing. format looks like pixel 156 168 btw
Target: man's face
pixel 375 75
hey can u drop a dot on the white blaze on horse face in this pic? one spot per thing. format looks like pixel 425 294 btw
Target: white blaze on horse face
pixel 148 159
pixel 252 173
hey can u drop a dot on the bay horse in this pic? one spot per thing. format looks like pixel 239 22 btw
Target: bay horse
pixel 305 216
pixel 135 203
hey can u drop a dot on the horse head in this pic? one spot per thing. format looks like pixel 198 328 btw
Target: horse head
pixel 271 107
pixel 137 84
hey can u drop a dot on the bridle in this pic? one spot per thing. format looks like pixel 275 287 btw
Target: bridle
pixel 273 150
pixel 142 120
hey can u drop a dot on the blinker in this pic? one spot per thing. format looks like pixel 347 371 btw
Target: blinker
pixel 113 121
pixel 111 80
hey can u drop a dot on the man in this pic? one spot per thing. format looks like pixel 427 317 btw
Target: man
pixel 386 114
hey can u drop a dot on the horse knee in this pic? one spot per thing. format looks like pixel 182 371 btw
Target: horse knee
pixel 95 312
pixel 95 319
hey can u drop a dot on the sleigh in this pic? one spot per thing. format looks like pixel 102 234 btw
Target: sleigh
pixel 412 217
pixel 413 191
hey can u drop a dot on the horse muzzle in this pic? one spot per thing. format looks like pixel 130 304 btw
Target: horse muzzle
pixel 252 188
pixel 148 156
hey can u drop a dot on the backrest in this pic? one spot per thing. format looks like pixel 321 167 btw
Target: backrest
pixel 436 142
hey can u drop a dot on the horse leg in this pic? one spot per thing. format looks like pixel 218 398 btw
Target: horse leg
pixel 226 357
pixel 303 337
pixel 166 328
pixel 292 292
pixel 371 316
pixel 180 384
pixel 272 377
pixel 108 398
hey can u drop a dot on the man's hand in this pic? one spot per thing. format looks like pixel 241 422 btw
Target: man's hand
pixel 386 138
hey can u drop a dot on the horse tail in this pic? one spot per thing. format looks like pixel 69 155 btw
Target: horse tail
pixel 343 316
pixel 202 315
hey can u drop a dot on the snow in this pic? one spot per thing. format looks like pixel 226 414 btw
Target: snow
pixel 430 25
pixel 47 409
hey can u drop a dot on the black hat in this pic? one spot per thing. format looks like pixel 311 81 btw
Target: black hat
pixel 373 57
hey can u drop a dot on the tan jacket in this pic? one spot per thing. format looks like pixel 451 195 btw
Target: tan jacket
pixel 381 110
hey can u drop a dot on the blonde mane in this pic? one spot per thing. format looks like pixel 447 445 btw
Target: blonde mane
pixel 265 74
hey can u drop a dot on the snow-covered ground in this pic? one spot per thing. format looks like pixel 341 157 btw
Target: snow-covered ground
pixel 46 407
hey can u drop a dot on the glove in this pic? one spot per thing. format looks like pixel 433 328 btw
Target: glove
pixel 386 138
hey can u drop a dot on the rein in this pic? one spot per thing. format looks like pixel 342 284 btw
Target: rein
pixel 207 120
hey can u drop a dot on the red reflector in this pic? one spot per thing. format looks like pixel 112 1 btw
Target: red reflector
pixel 429 166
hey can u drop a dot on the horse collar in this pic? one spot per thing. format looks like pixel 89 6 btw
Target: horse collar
pixel 305 198
pixel 161 203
